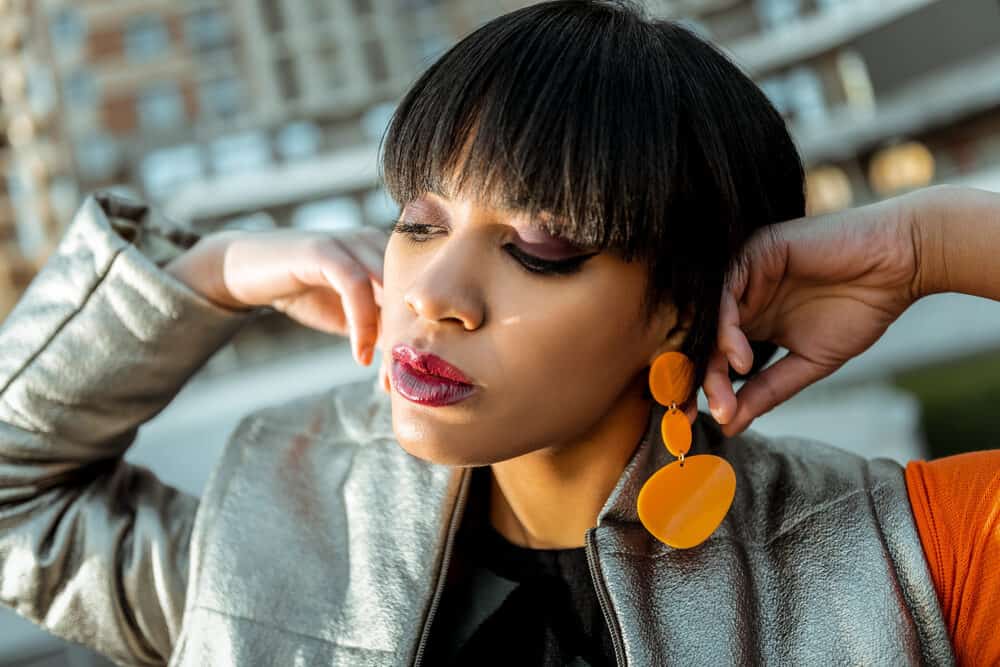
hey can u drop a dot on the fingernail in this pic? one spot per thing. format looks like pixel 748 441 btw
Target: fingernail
pixel 715 413
pixel 735 362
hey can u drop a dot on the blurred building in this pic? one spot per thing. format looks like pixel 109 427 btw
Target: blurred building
pixel 262 113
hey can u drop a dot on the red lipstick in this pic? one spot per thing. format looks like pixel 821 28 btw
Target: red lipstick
pixel 428 379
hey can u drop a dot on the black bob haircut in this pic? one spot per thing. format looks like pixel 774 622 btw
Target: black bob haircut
pixel 638 136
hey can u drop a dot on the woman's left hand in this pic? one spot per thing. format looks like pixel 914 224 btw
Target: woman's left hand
pixel 825 288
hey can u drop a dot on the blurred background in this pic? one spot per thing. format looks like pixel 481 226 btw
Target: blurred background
pixel 267 113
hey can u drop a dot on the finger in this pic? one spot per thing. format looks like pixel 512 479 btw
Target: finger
pixel 718 389
pixel 771 387
pixel 364 248
pixel 351 281
pixel 731 339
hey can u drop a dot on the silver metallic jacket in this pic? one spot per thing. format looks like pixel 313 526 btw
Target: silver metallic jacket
pixel 320 541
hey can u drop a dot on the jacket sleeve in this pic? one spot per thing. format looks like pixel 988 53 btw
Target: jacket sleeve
pixel 92 548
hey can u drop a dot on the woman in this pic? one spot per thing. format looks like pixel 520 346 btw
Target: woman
pixel 577 182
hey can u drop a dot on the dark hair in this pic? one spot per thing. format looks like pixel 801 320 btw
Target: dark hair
pixel 639 136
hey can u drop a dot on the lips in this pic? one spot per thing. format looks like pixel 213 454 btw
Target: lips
pixel 427 379
pixel 428 364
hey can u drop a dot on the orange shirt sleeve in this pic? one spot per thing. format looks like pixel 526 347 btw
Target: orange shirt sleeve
pixel 956 504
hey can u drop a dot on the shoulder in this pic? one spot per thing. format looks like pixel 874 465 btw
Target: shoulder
pixel 815 467
pixel 788 483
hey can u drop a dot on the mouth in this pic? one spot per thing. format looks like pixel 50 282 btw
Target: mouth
pixel 427 379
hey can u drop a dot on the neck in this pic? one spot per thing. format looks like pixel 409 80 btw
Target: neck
pixel 548 498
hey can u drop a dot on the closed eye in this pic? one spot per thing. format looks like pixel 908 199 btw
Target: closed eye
pixel 420 233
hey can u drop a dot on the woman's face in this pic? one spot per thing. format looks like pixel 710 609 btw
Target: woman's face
pixel 547 354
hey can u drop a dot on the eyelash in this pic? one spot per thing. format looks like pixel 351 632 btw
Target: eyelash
pixel 532 264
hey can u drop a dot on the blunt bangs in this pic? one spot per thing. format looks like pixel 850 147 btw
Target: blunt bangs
pixel 551 101
pixel 615 131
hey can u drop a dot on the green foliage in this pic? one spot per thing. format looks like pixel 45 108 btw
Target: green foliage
pixel 960 403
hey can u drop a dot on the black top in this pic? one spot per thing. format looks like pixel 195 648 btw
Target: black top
pixel 509 605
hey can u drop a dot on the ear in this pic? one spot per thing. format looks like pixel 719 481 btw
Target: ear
pixel 677 325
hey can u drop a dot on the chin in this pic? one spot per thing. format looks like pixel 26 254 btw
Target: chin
pixel 439 453
pixel 426 441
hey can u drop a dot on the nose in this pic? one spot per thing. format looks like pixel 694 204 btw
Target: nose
pixel 448 289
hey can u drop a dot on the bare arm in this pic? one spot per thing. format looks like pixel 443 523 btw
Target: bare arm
pixel 959 240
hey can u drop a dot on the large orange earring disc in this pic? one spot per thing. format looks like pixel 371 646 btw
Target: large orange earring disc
pixel 682 504
pixel 671 376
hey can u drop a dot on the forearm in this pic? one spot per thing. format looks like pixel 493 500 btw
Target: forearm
pixel 958 239
pixel 200 269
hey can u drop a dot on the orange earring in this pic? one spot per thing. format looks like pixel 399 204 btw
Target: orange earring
pixel 683 502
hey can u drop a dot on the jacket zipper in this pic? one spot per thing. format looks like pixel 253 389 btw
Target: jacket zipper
pixel 456 519
pixel 603 598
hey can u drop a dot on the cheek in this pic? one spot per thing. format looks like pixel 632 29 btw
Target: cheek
pixel 575 349
pixel 393 311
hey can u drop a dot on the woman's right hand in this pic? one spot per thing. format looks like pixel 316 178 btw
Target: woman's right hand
pixel 330 281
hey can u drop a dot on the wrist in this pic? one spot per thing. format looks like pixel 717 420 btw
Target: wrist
pixel 924 222
pixel 926 213
pixel 200 268
pixel 958 232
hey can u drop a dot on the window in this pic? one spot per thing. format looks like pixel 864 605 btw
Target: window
pixel 165 169
pixel 161 106
pixel 376 119
pixel 42 92
pixel 288 79
pixel 97 157
pixel 804 94
pixel 362 7
pixel 777 13
pixel 328 214
pixel 247 151
pixel 80 89
pixel 321 10
pixel 377 66
pixel 332 66
pixel 298 140
pixel 221 98
pixel 270 13
pixel 416 4
pixel 67 29
pixel 146 37
pixel 207 29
